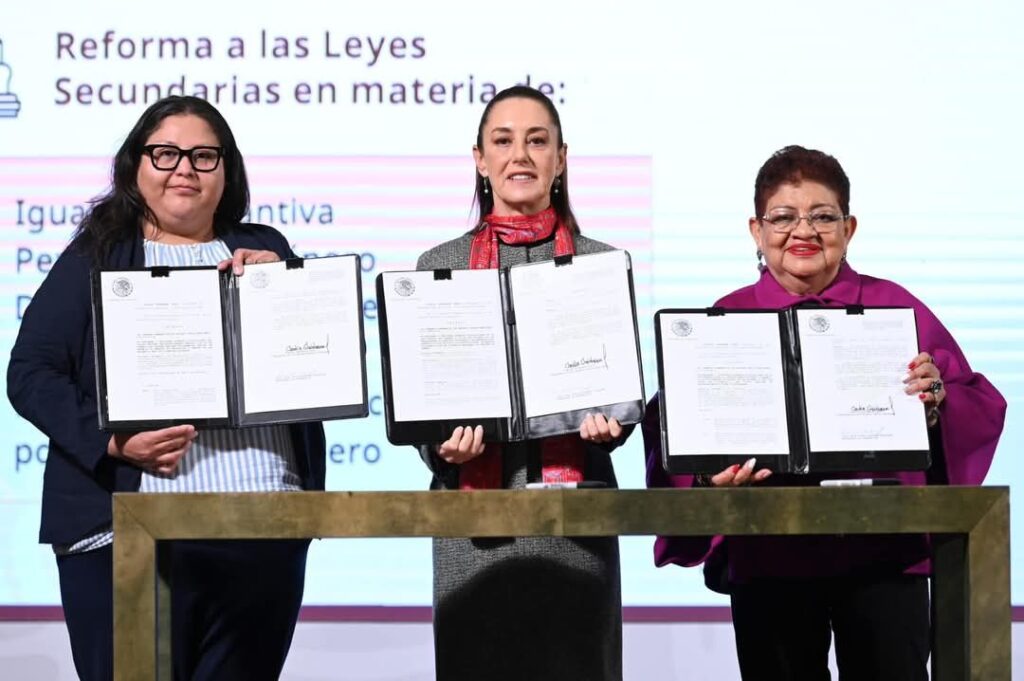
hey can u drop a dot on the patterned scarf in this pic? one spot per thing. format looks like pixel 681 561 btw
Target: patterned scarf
pixel 516 230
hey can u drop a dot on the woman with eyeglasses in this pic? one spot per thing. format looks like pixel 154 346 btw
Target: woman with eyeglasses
pixel 791 594
pixel 178 196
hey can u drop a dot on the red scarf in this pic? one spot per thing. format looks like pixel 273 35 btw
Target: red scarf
pixel 516 230
pixel 562 457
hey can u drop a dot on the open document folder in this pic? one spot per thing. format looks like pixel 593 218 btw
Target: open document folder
pixel 282 343
pixel 802 389
pixel 526 352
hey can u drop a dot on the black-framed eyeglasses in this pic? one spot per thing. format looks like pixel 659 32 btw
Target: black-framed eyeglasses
pixel 821 221
pixel 167 157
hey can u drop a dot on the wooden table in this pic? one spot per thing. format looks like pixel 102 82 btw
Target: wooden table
pixel 970 528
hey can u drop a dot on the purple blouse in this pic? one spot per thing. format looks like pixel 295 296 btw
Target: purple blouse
pixel 970 422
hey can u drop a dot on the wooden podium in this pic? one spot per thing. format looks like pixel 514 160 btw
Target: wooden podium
pixel 969 527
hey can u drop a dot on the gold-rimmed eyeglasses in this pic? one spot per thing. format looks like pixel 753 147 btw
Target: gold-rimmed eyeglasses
pixel 822 222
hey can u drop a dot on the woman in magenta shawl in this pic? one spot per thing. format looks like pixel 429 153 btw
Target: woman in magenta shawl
pixel 790 594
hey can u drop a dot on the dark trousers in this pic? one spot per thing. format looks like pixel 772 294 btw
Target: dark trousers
pixel 233 610
pixel 784 627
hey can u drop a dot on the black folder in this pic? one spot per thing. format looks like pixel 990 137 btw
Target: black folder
pixel 224 302
pixel 395 288
pixel 676 331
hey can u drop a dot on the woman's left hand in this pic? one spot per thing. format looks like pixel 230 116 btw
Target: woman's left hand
pixel 925 379
pixel 247 256
pixel 737 475
pixel 596 428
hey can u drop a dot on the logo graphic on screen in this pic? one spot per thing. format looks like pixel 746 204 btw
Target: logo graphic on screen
pixel 260 279
pixel 818 323
pixel 682 327
pixel 9 104
pixel 405 287
pixel 122 287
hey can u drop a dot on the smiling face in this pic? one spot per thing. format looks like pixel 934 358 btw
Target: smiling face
pixel 183 201
pixel 804 260
pixel 521 156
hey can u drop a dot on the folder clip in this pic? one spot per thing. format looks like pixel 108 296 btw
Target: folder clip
pixel 442 274
pixel 715 311
pixel 294 263
pixel 854 309
pixel 161 271
pixel 563 260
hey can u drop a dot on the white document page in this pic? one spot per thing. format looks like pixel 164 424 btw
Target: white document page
pixel 163 345
pixel 300 335
pixel 854 365
pixel 447 346
pixel 724 389
pixel 577 345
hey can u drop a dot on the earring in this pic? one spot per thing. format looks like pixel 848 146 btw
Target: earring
pixel 843 259
pixel 761 265
pixel 558 184
pixel 486 187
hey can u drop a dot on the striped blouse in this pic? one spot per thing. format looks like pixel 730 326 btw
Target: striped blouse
pixel 257 459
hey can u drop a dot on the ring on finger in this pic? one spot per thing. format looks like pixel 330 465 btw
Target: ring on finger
pixel 936 387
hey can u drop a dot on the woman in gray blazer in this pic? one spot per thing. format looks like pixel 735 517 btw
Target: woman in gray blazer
pixel 523 607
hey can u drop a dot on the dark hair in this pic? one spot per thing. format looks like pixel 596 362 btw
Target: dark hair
pixel 119 214
pixel 795 164
pixel 560 199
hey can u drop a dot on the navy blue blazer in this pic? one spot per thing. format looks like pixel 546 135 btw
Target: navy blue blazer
pixel 51 382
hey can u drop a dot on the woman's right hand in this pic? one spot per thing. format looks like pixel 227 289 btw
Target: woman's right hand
pixel 157 451
pixel 465 443
pixel 737 475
